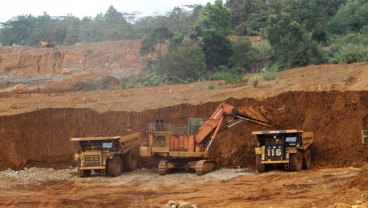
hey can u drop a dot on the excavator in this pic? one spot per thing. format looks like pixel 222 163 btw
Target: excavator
pixel 187 147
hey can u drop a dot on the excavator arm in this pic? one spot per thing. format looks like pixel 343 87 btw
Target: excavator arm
pixel 217 122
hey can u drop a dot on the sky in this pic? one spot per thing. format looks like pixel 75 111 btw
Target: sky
pixel 82 8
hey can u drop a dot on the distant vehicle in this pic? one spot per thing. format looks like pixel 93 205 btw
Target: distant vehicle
pixel 289 149
pixel 47 43
pixel 109 155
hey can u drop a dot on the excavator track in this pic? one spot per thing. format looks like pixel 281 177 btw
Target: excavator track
pixel 205 166
pixel 162 167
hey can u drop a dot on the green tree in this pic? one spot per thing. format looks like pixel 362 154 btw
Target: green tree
pixel 158 36
pixel 217 49
pixel 72 35
pixel 215 17
pixel 291 45
pixel 214 25
pixel 184 63
pixel 351 17
pixel 17 30
pixel 241 54
pixel 176 41
pixel 116 26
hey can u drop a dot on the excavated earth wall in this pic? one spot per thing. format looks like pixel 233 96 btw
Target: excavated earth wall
pixel 64 59
pixel 41 138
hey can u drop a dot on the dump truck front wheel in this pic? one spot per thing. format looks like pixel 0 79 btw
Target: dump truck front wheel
pixel 84 173
pixel 259 166
pixel 114 166
pixel 307 159
pixel 296 161
pixel 131 160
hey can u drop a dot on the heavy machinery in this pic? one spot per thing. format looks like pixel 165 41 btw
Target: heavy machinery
pixel 289 149
pixel 187 147
pixel 47 43
pixel 365 136
pixel 109 155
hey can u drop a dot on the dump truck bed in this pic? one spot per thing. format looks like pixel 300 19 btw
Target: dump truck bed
pixel 127 142
pixel 94 138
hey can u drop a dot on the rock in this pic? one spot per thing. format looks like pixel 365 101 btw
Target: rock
pixel 181 204
pixel 170 204
pixel 184 205
pixel 66 71
pixel 358 202
pixel 19 88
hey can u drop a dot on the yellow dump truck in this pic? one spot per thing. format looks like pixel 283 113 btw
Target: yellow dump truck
pixel 107 155
pixel 288 149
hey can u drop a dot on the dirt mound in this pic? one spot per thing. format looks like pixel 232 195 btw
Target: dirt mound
pixel 361 181
pixel 352 192
pixel 41 138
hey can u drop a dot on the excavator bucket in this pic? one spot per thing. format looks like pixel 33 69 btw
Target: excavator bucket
pixel 260 116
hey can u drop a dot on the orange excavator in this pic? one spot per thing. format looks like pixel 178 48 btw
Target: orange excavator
pixel 187 147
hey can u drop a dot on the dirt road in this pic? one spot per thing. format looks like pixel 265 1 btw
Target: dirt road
pixel 145 188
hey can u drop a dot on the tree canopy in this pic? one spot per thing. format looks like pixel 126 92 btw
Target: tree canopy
pixel 197 38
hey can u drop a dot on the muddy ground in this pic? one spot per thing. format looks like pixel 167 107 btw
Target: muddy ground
pixel 222 188
pixel 40 109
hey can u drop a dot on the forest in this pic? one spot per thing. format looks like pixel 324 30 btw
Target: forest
pixel 197 42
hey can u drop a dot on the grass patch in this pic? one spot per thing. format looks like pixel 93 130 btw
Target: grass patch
pixel 211 87
pixel 229 77
pixel 255 81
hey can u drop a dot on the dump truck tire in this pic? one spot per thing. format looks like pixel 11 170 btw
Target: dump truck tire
pixel 114 166
pixel 131 160
pixel 296 162
pixel 84 173
pixel 307 160
pixel 258 164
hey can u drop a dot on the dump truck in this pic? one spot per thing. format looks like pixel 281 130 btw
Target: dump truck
pixel 47 43
pixel 107 155
pixel 365 136
pixel 288 149
pixel 187 147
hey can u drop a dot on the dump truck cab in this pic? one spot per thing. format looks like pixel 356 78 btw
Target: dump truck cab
pixel 104 155
pixel 289 149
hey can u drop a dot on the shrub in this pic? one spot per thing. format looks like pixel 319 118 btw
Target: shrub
pixel 91 85
pixel 229 77
pixel 211 87
pixel 255 80
pixel 271 72
pixel 350 48
pixel 348 53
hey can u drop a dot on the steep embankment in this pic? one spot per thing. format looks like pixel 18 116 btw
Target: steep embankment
pixel 41 138
pixel 22 61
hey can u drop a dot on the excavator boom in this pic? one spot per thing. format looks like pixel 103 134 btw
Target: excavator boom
pixel 216 122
